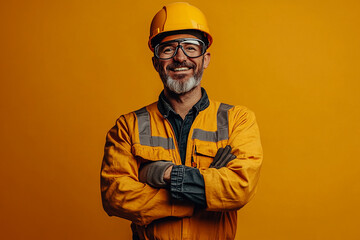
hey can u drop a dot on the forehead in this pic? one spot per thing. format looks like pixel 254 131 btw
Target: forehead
pixel 178 36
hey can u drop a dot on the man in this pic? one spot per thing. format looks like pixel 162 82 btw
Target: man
pixel 180 168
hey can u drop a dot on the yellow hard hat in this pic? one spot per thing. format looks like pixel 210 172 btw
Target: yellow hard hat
pixel 178 16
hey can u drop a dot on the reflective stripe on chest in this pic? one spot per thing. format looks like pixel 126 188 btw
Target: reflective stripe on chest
pixel 145 136
pixel 146 139
pixel 222 132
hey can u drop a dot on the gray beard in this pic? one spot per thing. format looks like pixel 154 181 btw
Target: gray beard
pixel 179 87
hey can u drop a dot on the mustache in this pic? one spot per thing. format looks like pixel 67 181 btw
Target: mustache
pixel 179 65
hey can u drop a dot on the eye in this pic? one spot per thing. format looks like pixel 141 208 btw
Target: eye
pixel 191 48
pixel 167 49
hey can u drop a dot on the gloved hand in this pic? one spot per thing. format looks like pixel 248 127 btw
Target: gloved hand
pixel 222 157
pixel 152 173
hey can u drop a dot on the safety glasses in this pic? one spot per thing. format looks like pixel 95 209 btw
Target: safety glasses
pixel 191 47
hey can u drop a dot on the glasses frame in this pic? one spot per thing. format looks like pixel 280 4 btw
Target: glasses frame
pixel 179 41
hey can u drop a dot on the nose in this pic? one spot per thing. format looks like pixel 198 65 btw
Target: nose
pixel 180 55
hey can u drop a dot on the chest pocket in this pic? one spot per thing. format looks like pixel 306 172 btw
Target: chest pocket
pixel 204 154
pixel 148 153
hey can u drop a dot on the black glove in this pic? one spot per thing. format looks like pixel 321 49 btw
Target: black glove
pixel 222 157
pixel 152 173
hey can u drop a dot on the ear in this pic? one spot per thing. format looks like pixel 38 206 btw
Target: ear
pixel 155 63
pixel 207 57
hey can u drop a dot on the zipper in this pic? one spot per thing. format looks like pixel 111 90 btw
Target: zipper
pixel 176 143
pixel 193 163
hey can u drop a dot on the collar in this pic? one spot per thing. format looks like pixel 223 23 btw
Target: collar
pixel 165 108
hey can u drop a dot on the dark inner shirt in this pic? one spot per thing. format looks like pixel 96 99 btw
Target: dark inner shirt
pixel 186 182
pixel 182 126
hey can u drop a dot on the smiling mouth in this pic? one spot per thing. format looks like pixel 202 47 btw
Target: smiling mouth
pixel 180 69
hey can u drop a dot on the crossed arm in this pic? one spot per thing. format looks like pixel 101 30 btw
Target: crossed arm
pixel 225 188
pixel 122 193
pixel 184 183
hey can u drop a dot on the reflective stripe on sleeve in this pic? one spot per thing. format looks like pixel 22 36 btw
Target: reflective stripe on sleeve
pixel 222 132
pixel 145 137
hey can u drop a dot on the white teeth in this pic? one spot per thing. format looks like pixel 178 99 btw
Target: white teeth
pixel 181 69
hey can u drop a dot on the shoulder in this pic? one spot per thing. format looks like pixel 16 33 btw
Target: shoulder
pixel 231 108
pixel 128 123
pixel 235 113
pixel 131 117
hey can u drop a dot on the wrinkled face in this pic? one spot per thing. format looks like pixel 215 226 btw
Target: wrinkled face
pixel 181 74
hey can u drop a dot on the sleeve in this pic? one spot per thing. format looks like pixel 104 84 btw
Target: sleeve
pixel 187 183
pixel 231 187
pixel 122 193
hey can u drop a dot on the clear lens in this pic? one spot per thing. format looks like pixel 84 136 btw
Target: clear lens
pixel 191 47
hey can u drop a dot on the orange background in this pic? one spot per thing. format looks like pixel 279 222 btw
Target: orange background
pixel 69 68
